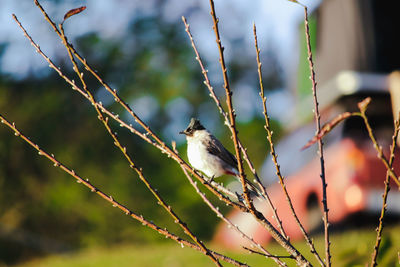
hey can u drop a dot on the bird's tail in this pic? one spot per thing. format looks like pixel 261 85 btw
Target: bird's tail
pixel 253 189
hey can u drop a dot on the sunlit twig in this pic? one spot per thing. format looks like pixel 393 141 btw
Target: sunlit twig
pixel 231 112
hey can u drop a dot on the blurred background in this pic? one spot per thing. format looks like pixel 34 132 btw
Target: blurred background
pixel 141 49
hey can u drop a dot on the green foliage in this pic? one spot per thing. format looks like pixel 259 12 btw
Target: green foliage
pixel 352 248
pixel 42 209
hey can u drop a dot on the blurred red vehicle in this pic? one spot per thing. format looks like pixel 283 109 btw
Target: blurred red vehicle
pixel 354 174
pixel 355 44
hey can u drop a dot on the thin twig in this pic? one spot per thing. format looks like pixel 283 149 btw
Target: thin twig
pixel 109 198
pixel 317 116
pixel 267 128
pixel 384 196
pixel 231 112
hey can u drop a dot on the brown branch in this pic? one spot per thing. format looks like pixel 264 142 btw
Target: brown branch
pixel 231 112
pixel 384 196
pixel 204 72
pixel 267 128
pixel 388 163
pixel 132 164
pixel 109 198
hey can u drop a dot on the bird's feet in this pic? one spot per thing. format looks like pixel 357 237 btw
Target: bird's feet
pixel 211 179
pixel 239 197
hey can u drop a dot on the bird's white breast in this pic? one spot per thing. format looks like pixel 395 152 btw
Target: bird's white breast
pixel 200 158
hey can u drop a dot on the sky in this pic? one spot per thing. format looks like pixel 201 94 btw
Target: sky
pixel 276 20
pixel 277 24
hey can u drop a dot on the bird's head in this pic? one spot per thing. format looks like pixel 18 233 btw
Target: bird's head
pixel 194 126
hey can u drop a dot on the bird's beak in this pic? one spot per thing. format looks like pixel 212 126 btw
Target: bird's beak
pixel 185 132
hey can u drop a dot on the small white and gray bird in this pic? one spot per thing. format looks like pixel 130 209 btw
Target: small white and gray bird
pixel 207 154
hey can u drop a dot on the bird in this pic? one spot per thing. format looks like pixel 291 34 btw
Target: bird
pixel 207 154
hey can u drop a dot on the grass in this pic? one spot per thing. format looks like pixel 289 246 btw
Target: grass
pixel 349 248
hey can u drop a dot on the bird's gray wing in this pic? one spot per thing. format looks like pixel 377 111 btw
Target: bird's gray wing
pixel 215 147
